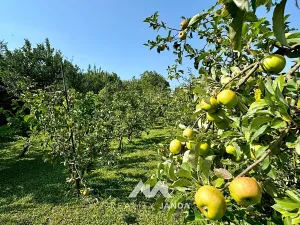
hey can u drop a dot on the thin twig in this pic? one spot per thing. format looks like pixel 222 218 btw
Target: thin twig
pixel 239 74
pixel 282 50
pixel 247 76
pixel 293 69
pixel 197 120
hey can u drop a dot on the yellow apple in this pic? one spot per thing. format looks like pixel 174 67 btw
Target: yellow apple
pixel 227 98
pixel 184 24
pixel 230 149
pixel 216 117
pixel 182 35
pixel 211 202
pixel 188 133
pixel 202 148
pixel 245 191
pixel 175 146
pixel 209 104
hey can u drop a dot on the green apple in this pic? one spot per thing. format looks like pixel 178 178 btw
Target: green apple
pixel 209 104
pixel 273 64
pixel 227 98
pixel 216 117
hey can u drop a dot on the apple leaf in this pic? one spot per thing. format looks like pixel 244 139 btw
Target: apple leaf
pixel 172 173
pixel 259 152
pixel 218 182
pixel 223 173
pixel 235 30
pixel 237 148
pixel 258 104
pixel 270 188
pixel 287 204
pixel 293 195
pixel 253 4
pixel 206 165
pixel 182 139
pixel 266 163
pixel 160 200
pixel 296 220
pixel 283 105
pixel 170 213
pixel 258 121
pixel 196 18
pixel 242 4
pixel 182 183
pixel 278 23
pixel 298 145
pixel 280 82
pixel 259 132
pixel 278 123
pixel 181 126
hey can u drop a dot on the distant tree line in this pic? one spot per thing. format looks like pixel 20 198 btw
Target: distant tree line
pixel 40 67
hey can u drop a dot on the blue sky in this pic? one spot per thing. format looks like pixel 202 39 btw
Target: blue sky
pixel 109 34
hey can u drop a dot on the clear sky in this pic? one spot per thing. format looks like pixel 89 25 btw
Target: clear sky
pixel 109 34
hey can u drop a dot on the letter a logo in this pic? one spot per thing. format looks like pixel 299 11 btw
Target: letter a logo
pixel 145 189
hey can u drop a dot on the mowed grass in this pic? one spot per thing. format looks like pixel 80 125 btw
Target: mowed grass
pixel 35 192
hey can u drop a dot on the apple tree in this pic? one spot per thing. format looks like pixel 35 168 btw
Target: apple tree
pixel 73 129
pixel 238 161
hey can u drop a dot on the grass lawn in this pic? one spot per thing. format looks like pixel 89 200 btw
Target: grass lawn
pixel 35 192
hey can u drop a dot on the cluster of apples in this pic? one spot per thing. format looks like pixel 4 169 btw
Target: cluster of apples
pixel 211 202
pixel 245 191
pixel 182 34
pixel 214 112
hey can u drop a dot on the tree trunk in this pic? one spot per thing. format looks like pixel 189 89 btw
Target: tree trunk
pixel 26 147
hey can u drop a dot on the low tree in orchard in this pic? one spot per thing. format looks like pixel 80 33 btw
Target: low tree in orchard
pixel 238 161
pixel 181 100
pixel 129 108
pixel 72 129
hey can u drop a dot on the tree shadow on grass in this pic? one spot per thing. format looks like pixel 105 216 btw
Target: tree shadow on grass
pixel 118 188
pixel 33 179
pixel 129 171
pixel 147 143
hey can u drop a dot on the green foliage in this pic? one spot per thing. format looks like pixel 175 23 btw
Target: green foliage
pixel 75 129
pixel 289 207
pixel 266 116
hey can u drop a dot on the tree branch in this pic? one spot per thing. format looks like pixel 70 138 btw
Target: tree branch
pixel 262 158
pixel 247 76
pixel 282 50
pixel 239 74
pixel 293 69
